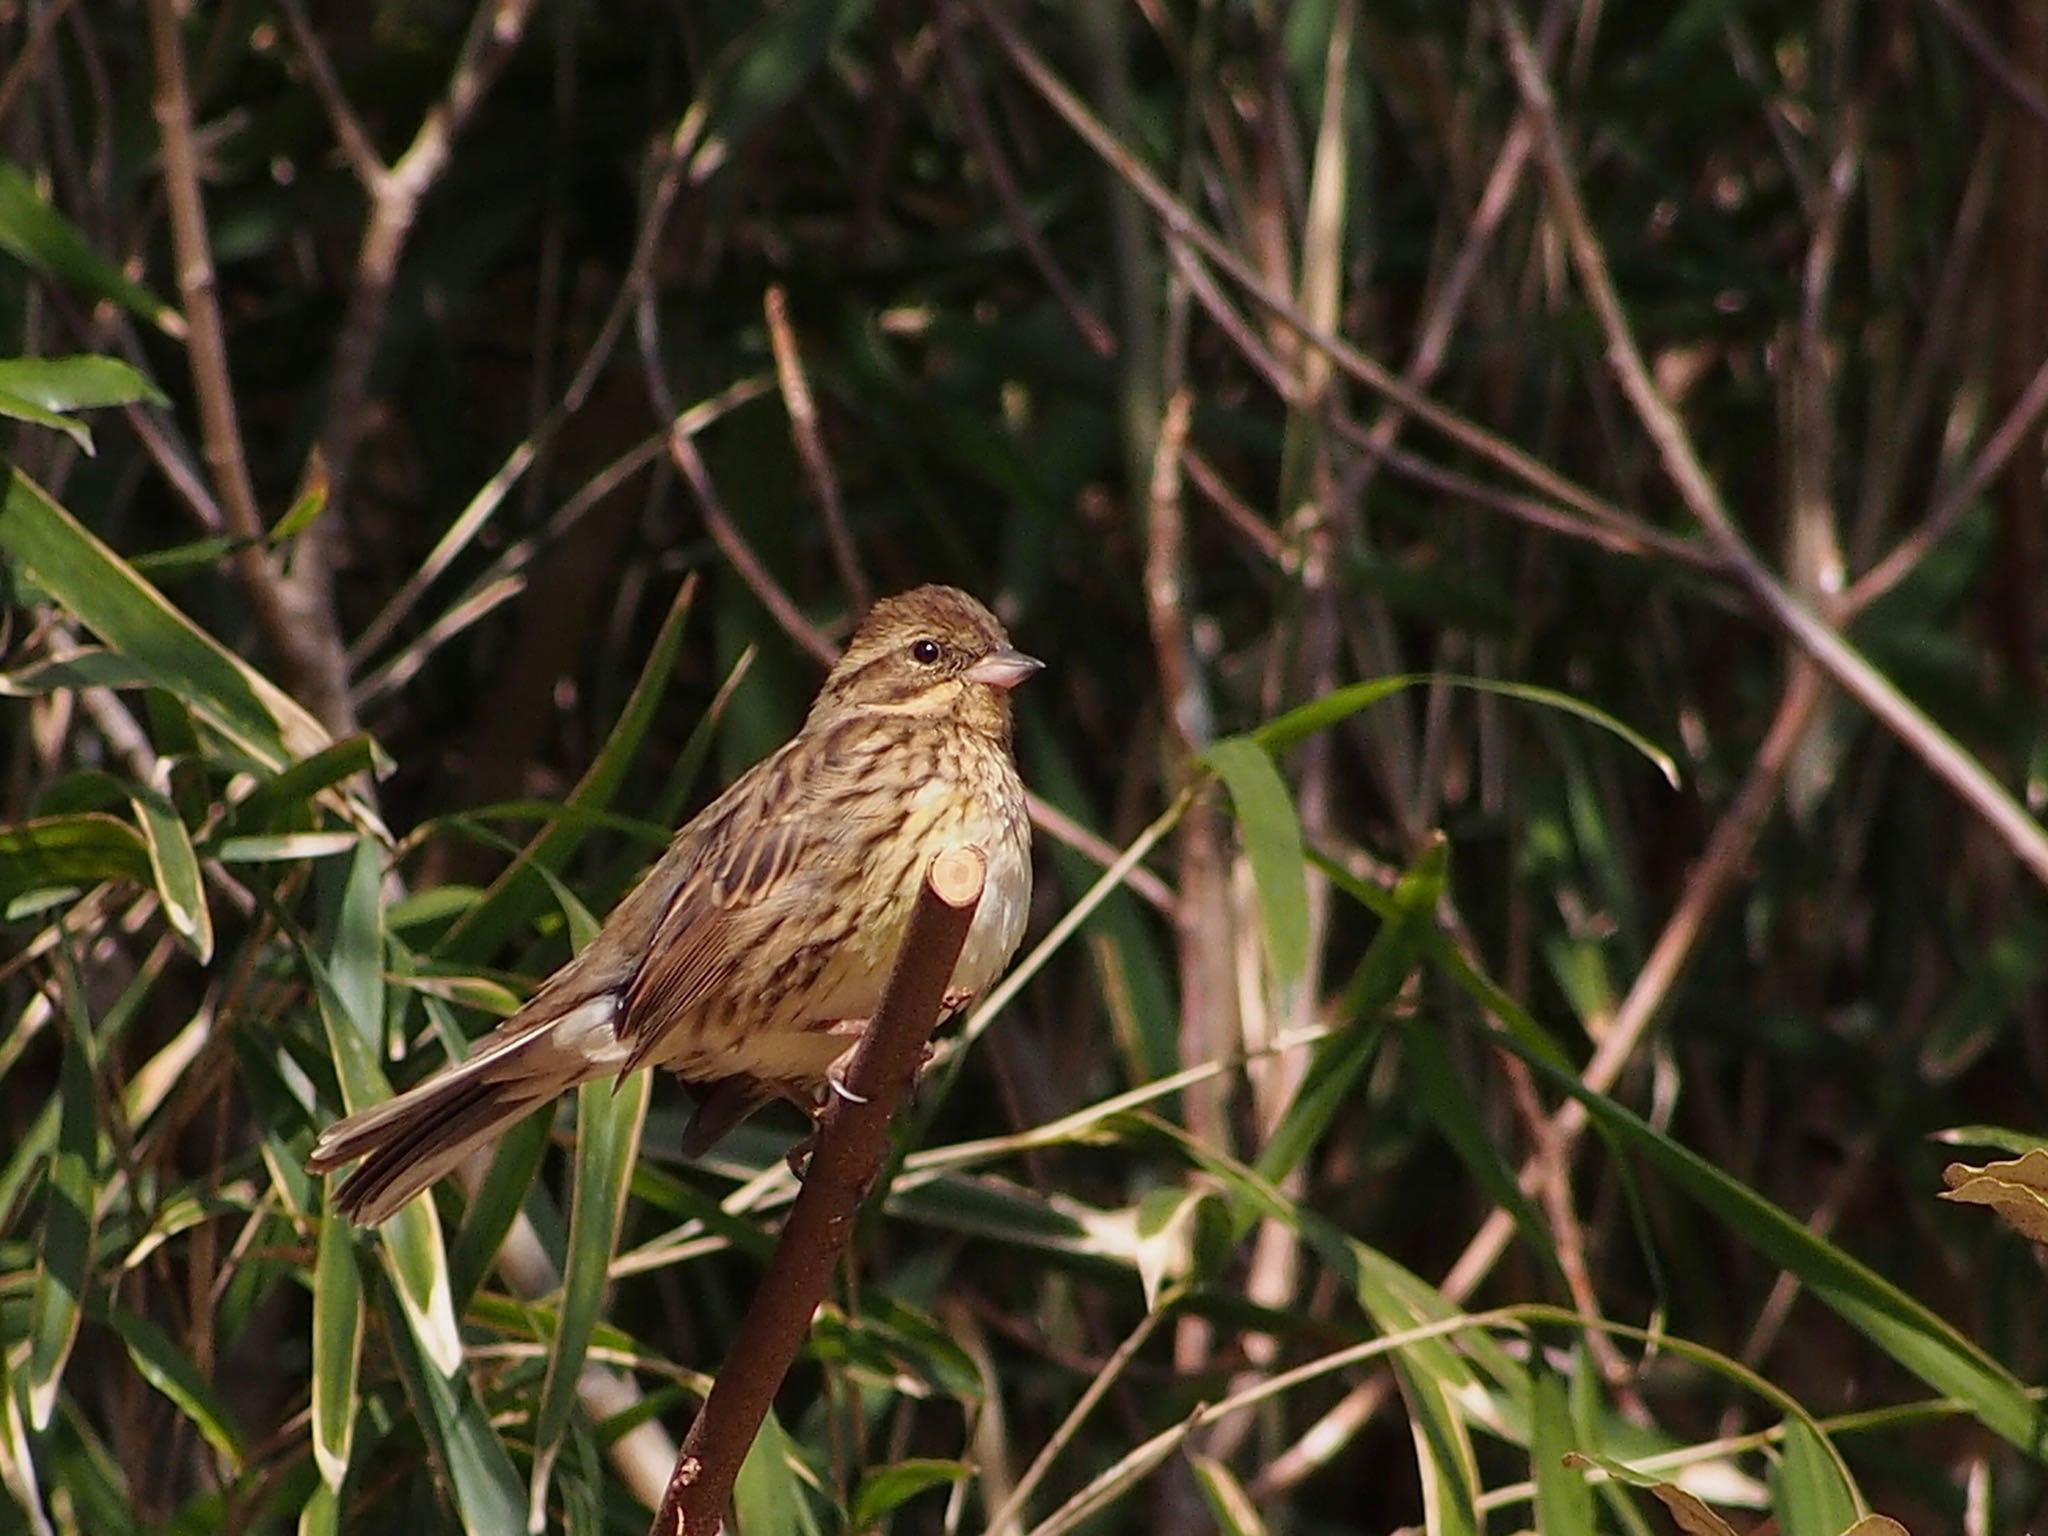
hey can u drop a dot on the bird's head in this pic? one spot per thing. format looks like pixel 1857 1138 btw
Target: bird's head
pixel 929 651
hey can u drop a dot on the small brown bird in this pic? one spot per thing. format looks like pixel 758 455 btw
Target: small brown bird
pixel 749 958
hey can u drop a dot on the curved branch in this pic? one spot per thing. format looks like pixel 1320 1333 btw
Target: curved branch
pixel 852 1135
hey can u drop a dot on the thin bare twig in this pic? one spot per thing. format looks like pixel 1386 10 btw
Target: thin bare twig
pixel 308 653
pixel 852 1135
pixel 1821 641
pixel 810 444
pixel 1009 197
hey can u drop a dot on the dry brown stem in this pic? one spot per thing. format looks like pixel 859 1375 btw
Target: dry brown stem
pixel 853 1133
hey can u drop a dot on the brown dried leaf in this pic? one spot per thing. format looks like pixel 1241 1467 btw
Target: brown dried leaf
pixel 2017 1190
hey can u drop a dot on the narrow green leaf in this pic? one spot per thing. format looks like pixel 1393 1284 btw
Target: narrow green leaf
pixel 409 1244
pixel 458 1432
pixel 1444 1097
pixel 1811 1492
pixel 160 1362
pixel 609 1119
pixel 769 1493
pixel 62 852
pixel 1236 1514
pixel 15 408
pixel 174 869
pixel 1272 840
pixel 70 1213
pixel 882 1490
pixel 78 383
pixel 337 1344
pixel 1444 1456
pixel 17 1454
pixel 1564 1504
pixel 1298 724
pixel 93 583
pixel 47 243
pixel 321 1514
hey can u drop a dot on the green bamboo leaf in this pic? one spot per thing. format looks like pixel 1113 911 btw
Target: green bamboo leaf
pixel 409 1244
pixel 64 852
pixel 1564 1504
pixel 478 1468
pixel 1811 1492
pixel 47 243
pixel 16 408
pixel 70 1211
pixel 292 791
pixel 17 1454
pixel 1912 1334
pixel 337 1344
pixel 78 383
pixel 1272 840
pixel 609 1118
pixel 174 869
pixel 1443 1450
pixel 1236 1514
pixel 93 583
pixel 1340 1061
pixel 1298 724
pixel 882 1490
pixel 160 1362
pixel 321 1514
pixel 769 1493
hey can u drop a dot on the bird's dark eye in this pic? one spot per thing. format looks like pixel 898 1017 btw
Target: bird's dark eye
pixel 925 652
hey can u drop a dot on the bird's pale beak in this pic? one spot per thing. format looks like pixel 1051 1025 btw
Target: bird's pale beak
pixel 1004 669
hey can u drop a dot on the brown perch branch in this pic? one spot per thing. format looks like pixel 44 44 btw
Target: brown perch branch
pixel 852 1135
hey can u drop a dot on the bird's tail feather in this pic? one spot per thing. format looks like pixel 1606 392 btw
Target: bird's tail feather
pixel 424 1134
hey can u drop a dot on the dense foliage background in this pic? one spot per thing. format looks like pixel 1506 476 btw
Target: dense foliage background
pixel 496 417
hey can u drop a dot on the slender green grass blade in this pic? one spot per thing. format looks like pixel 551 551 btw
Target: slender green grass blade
pixel 1811 1493
pixel 159 1361
pixel 1272 840
pixel 479 1470
pixel 63 1271
pixel 608 1124
pixel 337 1344
pixel 1298 724
pixel 1340 1061
pixel 1564 1504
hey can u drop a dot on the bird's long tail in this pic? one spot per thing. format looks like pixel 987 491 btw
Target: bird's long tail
pixel 409 1142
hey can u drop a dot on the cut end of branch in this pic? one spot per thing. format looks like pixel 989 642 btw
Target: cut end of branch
pixel 956 876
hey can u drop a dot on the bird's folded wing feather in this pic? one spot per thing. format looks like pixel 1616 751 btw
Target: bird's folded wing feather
pixel 741 882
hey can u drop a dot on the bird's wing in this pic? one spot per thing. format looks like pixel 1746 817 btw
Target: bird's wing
pixel 744 873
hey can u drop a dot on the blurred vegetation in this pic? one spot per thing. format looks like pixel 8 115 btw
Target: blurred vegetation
pixel 442 447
